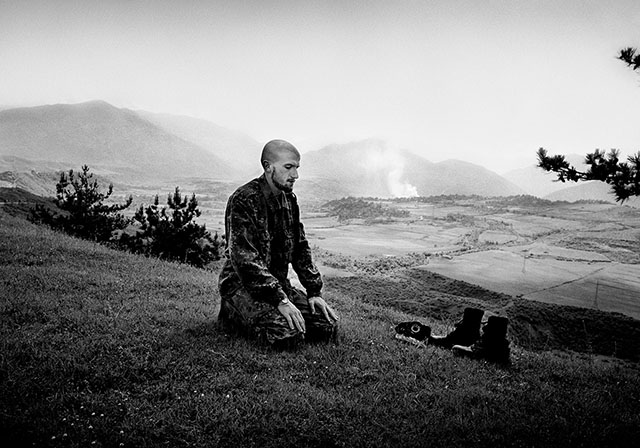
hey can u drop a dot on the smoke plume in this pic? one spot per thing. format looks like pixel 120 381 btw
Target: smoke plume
pixel 388 165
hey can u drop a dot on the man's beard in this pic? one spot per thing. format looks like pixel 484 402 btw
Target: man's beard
pixel 284 187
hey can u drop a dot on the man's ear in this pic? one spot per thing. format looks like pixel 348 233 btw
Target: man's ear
pixel 265 164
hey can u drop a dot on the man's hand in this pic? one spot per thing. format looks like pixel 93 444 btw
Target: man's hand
pixel 319 302
pixel 293 316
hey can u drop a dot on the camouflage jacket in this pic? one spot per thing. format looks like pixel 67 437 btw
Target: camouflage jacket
pixel 264 235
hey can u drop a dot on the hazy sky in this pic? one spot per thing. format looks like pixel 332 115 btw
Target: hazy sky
pixel 471 80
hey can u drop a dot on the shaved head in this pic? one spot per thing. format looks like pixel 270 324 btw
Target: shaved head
pixel 280 161
pixel 275 149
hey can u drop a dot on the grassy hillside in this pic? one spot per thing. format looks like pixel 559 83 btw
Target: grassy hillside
pixel 102 348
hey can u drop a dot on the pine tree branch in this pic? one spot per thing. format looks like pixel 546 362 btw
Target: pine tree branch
pixel 624 177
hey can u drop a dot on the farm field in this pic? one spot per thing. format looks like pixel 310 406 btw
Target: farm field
pixel 394 239
pixel 607 286
pixel 585 255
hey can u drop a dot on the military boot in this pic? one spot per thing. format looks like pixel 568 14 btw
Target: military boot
pixel 492 345
pixel 466 332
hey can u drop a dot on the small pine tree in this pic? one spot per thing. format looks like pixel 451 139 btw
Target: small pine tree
pixel 81 209
pixel 171 233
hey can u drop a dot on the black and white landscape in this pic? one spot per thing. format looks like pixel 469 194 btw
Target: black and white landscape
pixel 419 124
pixel 548 250
pixel 138 148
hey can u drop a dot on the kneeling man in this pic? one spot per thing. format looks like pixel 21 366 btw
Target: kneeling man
pixel 264 235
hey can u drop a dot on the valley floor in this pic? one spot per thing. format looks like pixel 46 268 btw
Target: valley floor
pixel 585 255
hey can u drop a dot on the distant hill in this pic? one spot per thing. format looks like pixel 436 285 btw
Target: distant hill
pixel 537 182
pixel 38 183
pixel 534 181
pixel 591 190
pixel 542 184
pixel 133 148
pixel 112 141
pixel 372 168
pixel 239 151
pixel 459 177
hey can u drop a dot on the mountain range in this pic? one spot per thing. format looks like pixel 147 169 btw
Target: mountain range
pixel 112 141
pixel 372 168
pixel 140 148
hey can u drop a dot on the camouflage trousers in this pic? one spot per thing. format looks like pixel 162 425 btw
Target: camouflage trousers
pixel 258 320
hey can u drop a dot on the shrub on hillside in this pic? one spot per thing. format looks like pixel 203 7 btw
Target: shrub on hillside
pixel 171 232
pixel 81 208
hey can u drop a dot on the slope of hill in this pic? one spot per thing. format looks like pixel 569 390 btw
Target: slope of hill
pixel 590 190
pixel 537 182
pixel 239 151
pixel 112 141
pixel 534 181
pixel 101 348
pixel 458 177
pixel 372 168
pixel 533 325
pixel 37 182
pixel 20 202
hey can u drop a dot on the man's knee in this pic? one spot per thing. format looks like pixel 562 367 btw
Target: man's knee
pixel 321 330
pixel 275 330
pixel 245 317
pixel 242 315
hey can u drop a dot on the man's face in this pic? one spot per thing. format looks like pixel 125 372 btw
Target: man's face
pixel 283 172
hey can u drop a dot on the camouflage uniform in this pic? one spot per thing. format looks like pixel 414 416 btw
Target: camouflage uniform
pixel 265 235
